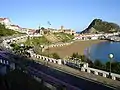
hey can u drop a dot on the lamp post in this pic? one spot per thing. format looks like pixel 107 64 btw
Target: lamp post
pixel 111 57
pixel 48 33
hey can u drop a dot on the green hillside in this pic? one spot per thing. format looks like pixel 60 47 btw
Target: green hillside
pixel 51 38
pixel 63 37
pixel 6 32
pixel 36 41
pixel 98 26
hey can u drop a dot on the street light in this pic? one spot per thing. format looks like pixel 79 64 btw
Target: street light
pixel 48 34
pixel 111 57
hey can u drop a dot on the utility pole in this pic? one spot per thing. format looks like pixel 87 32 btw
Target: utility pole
pixel 48 41
pixel 48 34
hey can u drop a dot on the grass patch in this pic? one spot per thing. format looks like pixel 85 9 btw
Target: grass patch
pixel 64 37
pixel 37 41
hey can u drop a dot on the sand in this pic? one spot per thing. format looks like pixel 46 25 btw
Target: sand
pixel 78 46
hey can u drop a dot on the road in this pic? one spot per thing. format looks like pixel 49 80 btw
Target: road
pixel 67 78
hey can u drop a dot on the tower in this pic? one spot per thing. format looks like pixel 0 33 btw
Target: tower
pixel 62 28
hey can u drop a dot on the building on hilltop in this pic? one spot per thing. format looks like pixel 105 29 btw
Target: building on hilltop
pixel 40 31
pixel 62 30
pixel 5 21
pixel 62 27
pixel 67 31
pixel 14 27
pixel 8 24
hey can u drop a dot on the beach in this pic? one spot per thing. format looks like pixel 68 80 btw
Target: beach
pixel 78 46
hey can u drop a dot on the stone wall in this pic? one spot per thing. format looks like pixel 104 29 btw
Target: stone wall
pixel 57 61
pixel 56 45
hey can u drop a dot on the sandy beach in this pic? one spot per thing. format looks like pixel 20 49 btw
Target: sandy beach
pixel 78 46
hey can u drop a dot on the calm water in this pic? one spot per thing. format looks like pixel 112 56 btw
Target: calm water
pixel 102 50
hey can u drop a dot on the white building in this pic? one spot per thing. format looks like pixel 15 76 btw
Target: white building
pixel 14 27
pixel 5 21
pixel 9 25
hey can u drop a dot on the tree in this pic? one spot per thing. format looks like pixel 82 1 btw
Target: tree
pixel 55 56
pixel 42 28
pixel 12 45
pixel 115 67
pixel 98 64
pixel 6 32
pixel 83 58
pixel 75 55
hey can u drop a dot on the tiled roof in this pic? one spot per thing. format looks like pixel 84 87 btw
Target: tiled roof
pixel 2 19
pixel 31 30
pixel 16 26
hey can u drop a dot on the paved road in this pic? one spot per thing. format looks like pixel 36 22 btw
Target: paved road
pixel 67 78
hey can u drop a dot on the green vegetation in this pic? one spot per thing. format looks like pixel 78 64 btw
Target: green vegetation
pixel 21 50
pixel 50 38
pixel 78 56
pixel 6 32
pixel 98 26
pixel 98 64
pixel 55 56
pixel 58 37
pixel 36 41
pixel 47 39
pixel 106 66
pixel 64 37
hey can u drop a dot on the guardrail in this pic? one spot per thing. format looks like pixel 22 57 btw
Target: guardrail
pixel 101 73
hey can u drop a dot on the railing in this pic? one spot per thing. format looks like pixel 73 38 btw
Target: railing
pixel 57 61
pixel 56 45
pixel 103 73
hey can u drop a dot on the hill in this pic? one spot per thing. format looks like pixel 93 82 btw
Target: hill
pixel 51 38
pixel 6 32
pixel 61 37
pixel 99 26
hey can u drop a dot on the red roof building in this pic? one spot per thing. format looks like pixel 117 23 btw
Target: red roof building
pixel 2 19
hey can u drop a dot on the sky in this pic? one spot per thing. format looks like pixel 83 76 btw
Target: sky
pixel 74 14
